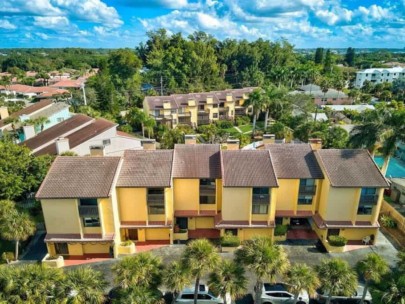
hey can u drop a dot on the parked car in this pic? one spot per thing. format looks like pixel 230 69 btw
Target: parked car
pixel 353 299
pixel 278 294
pixel 204 296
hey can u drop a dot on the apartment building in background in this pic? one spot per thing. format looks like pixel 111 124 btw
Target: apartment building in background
pixel 91 204
pixel 195 109
pixel 378 75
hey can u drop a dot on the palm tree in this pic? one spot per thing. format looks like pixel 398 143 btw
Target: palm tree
pixel 17 227
pixel 228 278
pixel 273 99
pixel 265 260
pixel 324 87
pixel 139 295
pixel 85 285
pixel 256 100
pixel 136 116
pixel 371 268
pixel 143 268
pixel 396 291
pixel 336 278
pixel 200 256
pixel 175 277
pixel 302 277
pixel 386 128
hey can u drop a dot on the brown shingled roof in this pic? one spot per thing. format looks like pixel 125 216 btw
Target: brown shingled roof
pixel 79 177
pixel 197 161
pixel 80 136
pixel 146 168
pixel 350 168
pixel 28 110
pixel 56 131
pixel 293 161
pixel 247 168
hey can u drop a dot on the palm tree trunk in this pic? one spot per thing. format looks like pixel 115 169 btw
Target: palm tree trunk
pixel 143 130
pixel 296 298
pixel 174 297
pixel 363 297
pixel 266 118
pixel 196 288
pixel 17 242
pixel 224 297
pixel 259 287
pixel 254 124
pixel 385 165
pixel 328 299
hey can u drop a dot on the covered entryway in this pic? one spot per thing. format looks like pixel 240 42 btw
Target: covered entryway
pixel 300 229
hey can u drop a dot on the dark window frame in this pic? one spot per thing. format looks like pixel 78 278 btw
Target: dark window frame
pixel 156 205
pixel 207 191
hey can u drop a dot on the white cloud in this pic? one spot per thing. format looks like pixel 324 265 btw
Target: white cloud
pixel 28 7
pixel 374 12
pixel 42 36
pixel 327 16
pixel 7 25
pixel 207 21
pixel 51 22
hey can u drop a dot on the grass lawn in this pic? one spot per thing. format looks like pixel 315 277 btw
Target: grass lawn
pixel 232 131
pixel 246 128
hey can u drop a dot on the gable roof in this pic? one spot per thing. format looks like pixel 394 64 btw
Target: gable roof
pixel 146 168
pixel 350 168
pixel 28 110
pixel 82 135
pixel 197 161
pixel 293 161
pixel 79 177
pixel 247 168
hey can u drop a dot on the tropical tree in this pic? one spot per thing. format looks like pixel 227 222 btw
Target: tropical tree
pixel 325 84
pixel 85 285
pixel 336 278
pixel 265 260
pixel 371 268
pixel 274 101
pixel 228 278
pixel 302 277
pixel 136 116
pixel 17 226
pixel 256 100
pixel 396 292
pixel 176 276
pixel 200 256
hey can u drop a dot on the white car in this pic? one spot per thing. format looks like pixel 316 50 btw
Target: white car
pixel 353 299
pixel 278 294
pixel 204 296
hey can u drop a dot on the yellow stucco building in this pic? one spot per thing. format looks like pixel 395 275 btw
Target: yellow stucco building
pixel 92 204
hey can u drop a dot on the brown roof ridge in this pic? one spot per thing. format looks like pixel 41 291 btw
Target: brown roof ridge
pixel 116 174
pixel 322 164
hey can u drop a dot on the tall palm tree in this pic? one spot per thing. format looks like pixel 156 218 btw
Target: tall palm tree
pixel 17 227
pixel 256 100
pixel 265 260
pixel 176 276
pixel 385 129
pixel 396 292
pixel 336 278
pixel 371 268
pixel 143 268
pixel 302 277
pixel 139 295
pixel 274 98
pixel 200 256
pixel 85 285
pixel 228 278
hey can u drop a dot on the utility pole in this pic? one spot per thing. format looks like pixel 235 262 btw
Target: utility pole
pixel 161 85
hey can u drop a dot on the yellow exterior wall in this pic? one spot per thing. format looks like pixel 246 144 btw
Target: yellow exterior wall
pixel 219 194
pixel 186 194
pixel 96 248
pixel 191 223
pixel 249 233
pixel 169 203
pixel 287 194
pixel 357 234
pixel 75 249
pixel 236 204
pixel 107 214
pixel 156 234
pixel 204 222
pixel 132 204
pixel 341 204
pixel 61 216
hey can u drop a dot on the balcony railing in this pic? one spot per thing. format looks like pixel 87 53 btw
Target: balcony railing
pixel 261 198
pixel 156 198
pixel 307 189
pixel 88 210
pixel 369 199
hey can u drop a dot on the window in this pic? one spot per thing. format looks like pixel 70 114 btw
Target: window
pixel 279 220
pixel 260 200
pixel 222 104
pixel 307 186
pixel 333 232
pixel 156 201
pixel 368 199
pixel 215 105
pixel 207 191
pixel 305 199
pixel 88 202
pixel 201 108
pixel 215 115
pixel 61 248
pixel 173 111
pixel 106 142
pixel 231 231
pixel 91 221
pixel 188 296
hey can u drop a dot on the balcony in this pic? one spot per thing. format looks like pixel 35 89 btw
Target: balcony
pixel 240 111
pixel 261 198
pixel 156 199
pixel 369 199
pixel 88 211
pixel 309 190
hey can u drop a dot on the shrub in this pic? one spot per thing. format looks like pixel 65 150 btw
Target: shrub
pixel 242 120
pixel 337 241
pixel 182 230
pixel 224 124
pixel 7 256
pixel 52 257
pixel 230 240
pixel 126 243
pixel 280 230
pixel 387 221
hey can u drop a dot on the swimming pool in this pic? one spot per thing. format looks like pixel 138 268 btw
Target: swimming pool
pixel 396 168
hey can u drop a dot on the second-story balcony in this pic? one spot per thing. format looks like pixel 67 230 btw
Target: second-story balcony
pixel 369 199
pixel 261 198
pixel 88 211
pixel 240 111
pixel 156 198
pixel 309 190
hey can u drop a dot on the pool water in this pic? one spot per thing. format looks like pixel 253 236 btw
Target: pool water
pixel 396 167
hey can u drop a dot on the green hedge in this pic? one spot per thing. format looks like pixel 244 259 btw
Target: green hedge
pixel 280 230
pixel 229 240
pixel 224 124
pixel 242 120
pixel 337 241
pixel 387 221
pixel 126 243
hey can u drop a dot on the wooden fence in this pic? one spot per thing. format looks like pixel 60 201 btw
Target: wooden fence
pixel 386 208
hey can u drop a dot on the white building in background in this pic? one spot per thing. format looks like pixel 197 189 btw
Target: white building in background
pixel 378 75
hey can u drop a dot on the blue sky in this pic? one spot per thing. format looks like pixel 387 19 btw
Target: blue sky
pixel 123 23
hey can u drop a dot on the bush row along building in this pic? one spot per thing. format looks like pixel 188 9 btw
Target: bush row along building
pixel 92 204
